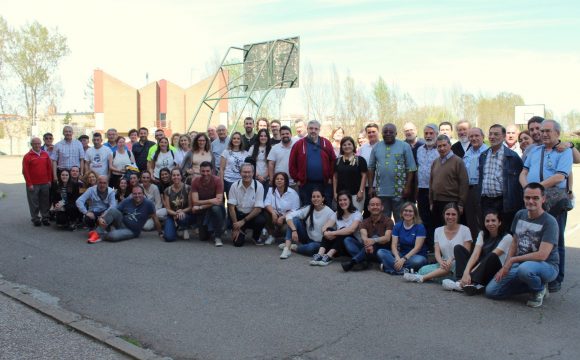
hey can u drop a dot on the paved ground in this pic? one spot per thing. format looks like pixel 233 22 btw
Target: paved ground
pixel 27 334
pixel 190 300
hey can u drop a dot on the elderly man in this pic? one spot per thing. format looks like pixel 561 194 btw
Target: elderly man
pixel 141 149
pixel 37 172
pixel 111 139
pixel 212 133
pixel 471 160
pixel 97 158
pixel 311 164
pixel 67 153
pixel 127 219
pixel 219 145
pixel 499 172
pixel 448 181
pixel 100 199
pixel 532 261
pixel 551 168
pixel 207 197
pixel 461 146
pixel 249 137
pixel 300 128
pixel 279 155
pixel 511 139
pixel 84 139
pixel 410 131
pixel 48 145
pixel 392 160
pixel 245 207
pixel 426 155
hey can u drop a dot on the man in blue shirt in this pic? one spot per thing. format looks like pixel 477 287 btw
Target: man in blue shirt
pixel 471 161
pixel 545 165
pixel 392 161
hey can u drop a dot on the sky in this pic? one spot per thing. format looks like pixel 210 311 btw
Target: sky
pixel 529 47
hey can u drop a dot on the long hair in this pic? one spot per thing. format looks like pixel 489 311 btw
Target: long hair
pixel 451 205
pixel 500 230
pixel 257 145
pixel 158 150
pixel 286 181
pixel 416 218
pixel 231 145
pixel 70 183
pixel 195 146
pixel 310 214
pixel 351 209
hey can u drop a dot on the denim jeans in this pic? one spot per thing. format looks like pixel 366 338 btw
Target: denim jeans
pixel 114 218
pixel 306 246
pixel 170 227
pixel 529 276
pixel 387 258
pixel 211 219
pixel 357 250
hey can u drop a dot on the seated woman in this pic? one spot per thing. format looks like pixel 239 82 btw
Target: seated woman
pixel 164 179
pixel 75 176
pixel 491 248
pixel 176 201
pixel 408 251
pixel 446 238
pixel 122 191
pixel 304 232
pixel 347 221
pixel 64 197
pixel 89 180
pixel 152 193
pixel 280 201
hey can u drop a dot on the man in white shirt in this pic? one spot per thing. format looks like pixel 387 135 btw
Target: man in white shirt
pixel 372 131
pixel 280 154
pixel 245 207
pixel 97 157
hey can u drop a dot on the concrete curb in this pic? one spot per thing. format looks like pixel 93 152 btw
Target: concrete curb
pixel 77 322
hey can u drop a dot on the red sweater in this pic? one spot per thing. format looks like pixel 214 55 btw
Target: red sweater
pixel 37 169
pixel 297 162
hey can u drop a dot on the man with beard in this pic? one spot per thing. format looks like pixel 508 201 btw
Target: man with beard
pixel 426 154
pixel 275 132
pixel 279 155
pixel 393 162
pixel 249 138
pixel 410 131
pixel 460 147
pixel 141 149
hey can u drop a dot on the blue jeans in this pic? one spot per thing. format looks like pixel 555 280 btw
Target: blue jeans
pixel 213 219
pixel 306 246
pixel 114 218
pixel 170 227
pixel 387 258
pixel 357 250
pixel 529 276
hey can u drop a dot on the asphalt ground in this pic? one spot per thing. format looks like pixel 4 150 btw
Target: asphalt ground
pixel 190 300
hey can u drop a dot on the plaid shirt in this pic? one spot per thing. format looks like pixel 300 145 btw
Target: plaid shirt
pixel 68 154
pixel 492 182
pixel 425 158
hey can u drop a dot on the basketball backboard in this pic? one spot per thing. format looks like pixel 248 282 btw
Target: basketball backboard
pixel 523 113
pixel 272 64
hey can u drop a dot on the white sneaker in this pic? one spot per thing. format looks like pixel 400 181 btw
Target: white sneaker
pixel 293 247
pixel 185 234
pixel 218 242
pixel 285 253
pixel 282 246
pixel 451 285
pixel 269 240
pixel 413 277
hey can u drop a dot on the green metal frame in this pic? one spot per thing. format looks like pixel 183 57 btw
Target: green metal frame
pixel 211 100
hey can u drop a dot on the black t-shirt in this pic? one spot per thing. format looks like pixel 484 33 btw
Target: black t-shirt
pixel 349 176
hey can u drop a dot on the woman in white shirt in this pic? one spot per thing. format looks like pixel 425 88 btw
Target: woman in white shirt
pixel 446 238
pixel 343 225
pixel 280 201
pixel 163 158
pixel 304 232
pixel 181 150
pixel 119 161
pixel 231 161
pixel 491 248
pixel 259 153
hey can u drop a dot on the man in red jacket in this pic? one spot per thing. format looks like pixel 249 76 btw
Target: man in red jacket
pixel 311 164
pixel 37 171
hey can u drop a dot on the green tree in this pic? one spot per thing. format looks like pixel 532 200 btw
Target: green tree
pixel 386 103
pixel 33 54
pixel 499 109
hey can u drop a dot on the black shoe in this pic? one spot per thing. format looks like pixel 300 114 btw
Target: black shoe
pixel 554 286
pixel 45 222
pixel 473 289
pixel 347 265
pixel 363 265
pixel 37 223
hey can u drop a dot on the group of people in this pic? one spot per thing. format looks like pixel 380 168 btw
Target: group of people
pixel 395 202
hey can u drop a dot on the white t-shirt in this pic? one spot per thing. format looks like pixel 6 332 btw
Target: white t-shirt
pixel 164 160
pixel 503 245
pixel 319 217
pixel 121 160
pixel 365 151
pixel 261 163
pixel 446 246
pixel 99 159
pixel 290 201
pixel 234 161
pixel 280 154
pixel 179 155
pixel 345 223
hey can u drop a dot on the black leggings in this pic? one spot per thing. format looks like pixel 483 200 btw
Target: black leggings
pixel 489 265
